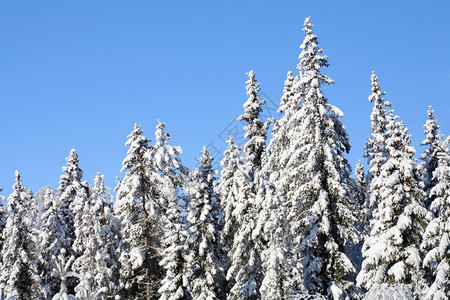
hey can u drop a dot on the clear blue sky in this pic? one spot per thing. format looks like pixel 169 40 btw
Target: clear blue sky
pixel 79 74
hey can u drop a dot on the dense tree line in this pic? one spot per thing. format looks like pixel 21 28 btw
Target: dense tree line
pixel 284 218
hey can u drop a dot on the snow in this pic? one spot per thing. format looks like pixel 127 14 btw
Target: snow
pixel 389 292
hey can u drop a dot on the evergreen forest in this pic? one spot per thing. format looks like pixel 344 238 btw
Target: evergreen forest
pixel 285 217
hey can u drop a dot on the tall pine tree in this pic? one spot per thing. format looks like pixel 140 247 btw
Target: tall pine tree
pixel 97 262
pixel 433 142
pixel 436 239
pixel 203 251
pixel 50 238
pixel 19 256
pixel 245 273
pixel 375 147
pixel 392 251
pixel 138 209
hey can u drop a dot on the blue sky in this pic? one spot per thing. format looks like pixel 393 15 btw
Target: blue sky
pixel 79 74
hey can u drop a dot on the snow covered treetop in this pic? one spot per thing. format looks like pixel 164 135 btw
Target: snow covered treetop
pixel 252 107
pixel 377 93
pixel 18 181
pixel 205 161
pixel 162 136
pixel 308 26
pixel 72 172
pixel 310 60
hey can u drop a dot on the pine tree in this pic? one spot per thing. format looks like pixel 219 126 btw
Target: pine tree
pixel 326 187
pixel 19 257
pixel 228 191
pixel 392 251
pixel 3 215
pixel 72 191
pixel 274 256
pixel 433 142
pixel 73 195
pixel 271 197
pixel 361 183
pixel 50 240
pixel 172 175
pixel 97 264
pixel 141 205
pixel 375 148
pixel 175 284
pixel 436 239
pixel 313 178
pixel 202 243
pixel 255 128
pixel 138 208
pixel 244 273
pixel 165 160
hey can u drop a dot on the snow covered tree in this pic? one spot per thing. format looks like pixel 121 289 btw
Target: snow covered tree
pixel 19 256
pixel 392 251
pixel 165 160
pixel 244 273
pixel 360 195
pixel 276 254
pixel 2 221
pixel 361 183
pixel 228 192
pixel 273 225
pixel 73 194
pixel 375 148
pixel 50 240
pixel 326 222
pixel 97 263
pixel 433 142
pixel 141 205
pixel 256 129
pixel 287 105
pixel 175 284
pixel 436 239
pixel 137 206
pixel 202 244
pixel 312 177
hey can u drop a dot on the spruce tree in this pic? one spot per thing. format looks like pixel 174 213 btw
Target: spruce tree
pixel 171 175
pixel 97 263
pixel 392 251
pixel 228 193
pixel 361 182
pixel 50 240
pixel 313 178
pixel 3 216
pixel 326 222
pixel 137 206
pixel 433 142
pixel 375 147
pixel 271 196
pixel 19 256
pixel 72 193
pixel 165 161
pixel 272 220
pixel 436 239
pixel 244 273
pixel 202 243
pixel 175 283
pixel 141 205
